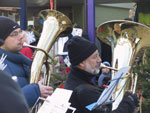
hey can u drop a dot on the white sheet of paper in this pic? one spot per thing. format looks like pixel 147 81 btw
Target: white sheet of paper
pixel 57 102
pixel 61 95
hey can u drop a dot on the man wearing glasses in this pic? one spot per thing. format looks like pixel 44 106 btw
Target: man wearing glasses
pixel 11 42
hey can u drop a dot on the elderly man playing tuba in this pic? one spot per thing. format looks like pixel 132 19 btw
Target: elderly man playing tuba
pixel 85 63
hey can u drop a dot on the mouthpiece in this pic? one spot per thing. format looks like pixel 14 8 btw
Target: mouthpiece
pixel 104 66
pixel 27 45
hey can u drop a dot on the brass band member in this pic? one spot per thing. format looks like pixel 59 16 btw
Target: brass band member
pixel 85 63
pixel 11 42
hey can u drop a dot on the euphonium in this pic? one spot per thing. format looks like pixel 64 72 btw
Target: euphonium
pixel 126 39
pixel 55 24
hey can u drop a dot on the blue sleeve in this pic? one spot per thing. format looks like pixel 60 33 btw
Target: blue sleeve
pixel 100 80
pixel 31 93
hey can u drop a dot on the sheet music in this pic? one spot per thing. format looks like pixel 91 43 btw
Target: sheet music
pixel 57 102
pixel 107 93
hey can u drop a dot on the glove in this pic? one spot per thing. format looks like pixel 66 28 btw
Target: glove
pixel 105 80
pixel 135 99
pixel 129 104
pixel 131 98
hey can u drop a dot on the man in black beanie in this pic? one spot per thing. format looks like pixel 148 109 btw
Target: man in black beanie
pixel 11 42
pixel 85 63
pixel 6 27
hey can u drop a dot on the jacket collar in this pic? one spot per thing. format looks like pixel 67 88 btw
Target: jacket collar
pixel 79 73
pixel 17 58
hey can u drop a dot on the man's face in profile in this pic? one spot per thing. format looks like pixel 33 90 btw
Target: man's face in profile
pixel 92 63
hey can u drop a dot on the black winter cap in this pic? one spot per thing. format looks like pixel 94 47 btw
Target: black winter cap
pixel 80 49
pixel 6 27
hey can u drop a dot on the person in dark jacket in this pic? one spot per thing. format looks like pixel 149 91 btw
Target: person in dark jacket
pixel 85 63
pixel 11 42
pixel 11 97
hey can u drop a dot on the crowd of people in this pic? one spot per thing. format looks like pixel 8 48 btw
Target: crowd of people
pixel 85 62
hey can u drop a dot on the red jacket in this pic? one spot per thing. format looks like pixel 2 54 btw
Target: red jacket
pixel 27 52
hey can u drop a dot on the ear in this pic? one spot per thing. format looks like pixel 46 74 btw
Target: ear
pixel 82 65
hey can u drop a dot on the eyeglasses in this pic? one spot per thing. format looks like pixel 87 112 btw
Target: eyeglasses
pixel 16 33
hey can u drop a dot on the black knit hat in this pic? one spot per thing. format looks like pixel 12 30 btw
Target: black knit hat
pixel 6 27
pixel 79 49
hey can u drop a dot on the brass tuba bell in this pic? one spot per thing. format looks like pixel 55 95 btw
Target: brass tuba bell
pixel 55 24
pixel 126 39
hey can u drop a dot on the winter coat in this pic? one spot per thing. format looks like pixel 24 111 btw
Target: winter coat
pixel 11 97
pixel 103 79
pixel 85 93
pixel 19 65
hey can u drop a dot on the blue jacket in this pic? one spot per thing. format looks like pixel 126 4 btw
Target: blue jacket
pixel 103 79
pixel 19 65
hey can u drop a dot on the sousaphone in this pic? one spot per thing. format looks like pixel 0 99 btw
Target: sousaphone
pixel 55 25
pixel 126 39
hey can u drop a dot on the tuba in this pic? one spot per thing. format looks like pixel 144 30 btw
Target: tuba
pixel 126 39
pixel 55 24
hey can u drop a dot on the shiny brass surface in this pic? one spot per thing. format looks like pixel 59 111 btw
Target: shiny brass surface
pixel 55 24
pixel 126 39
